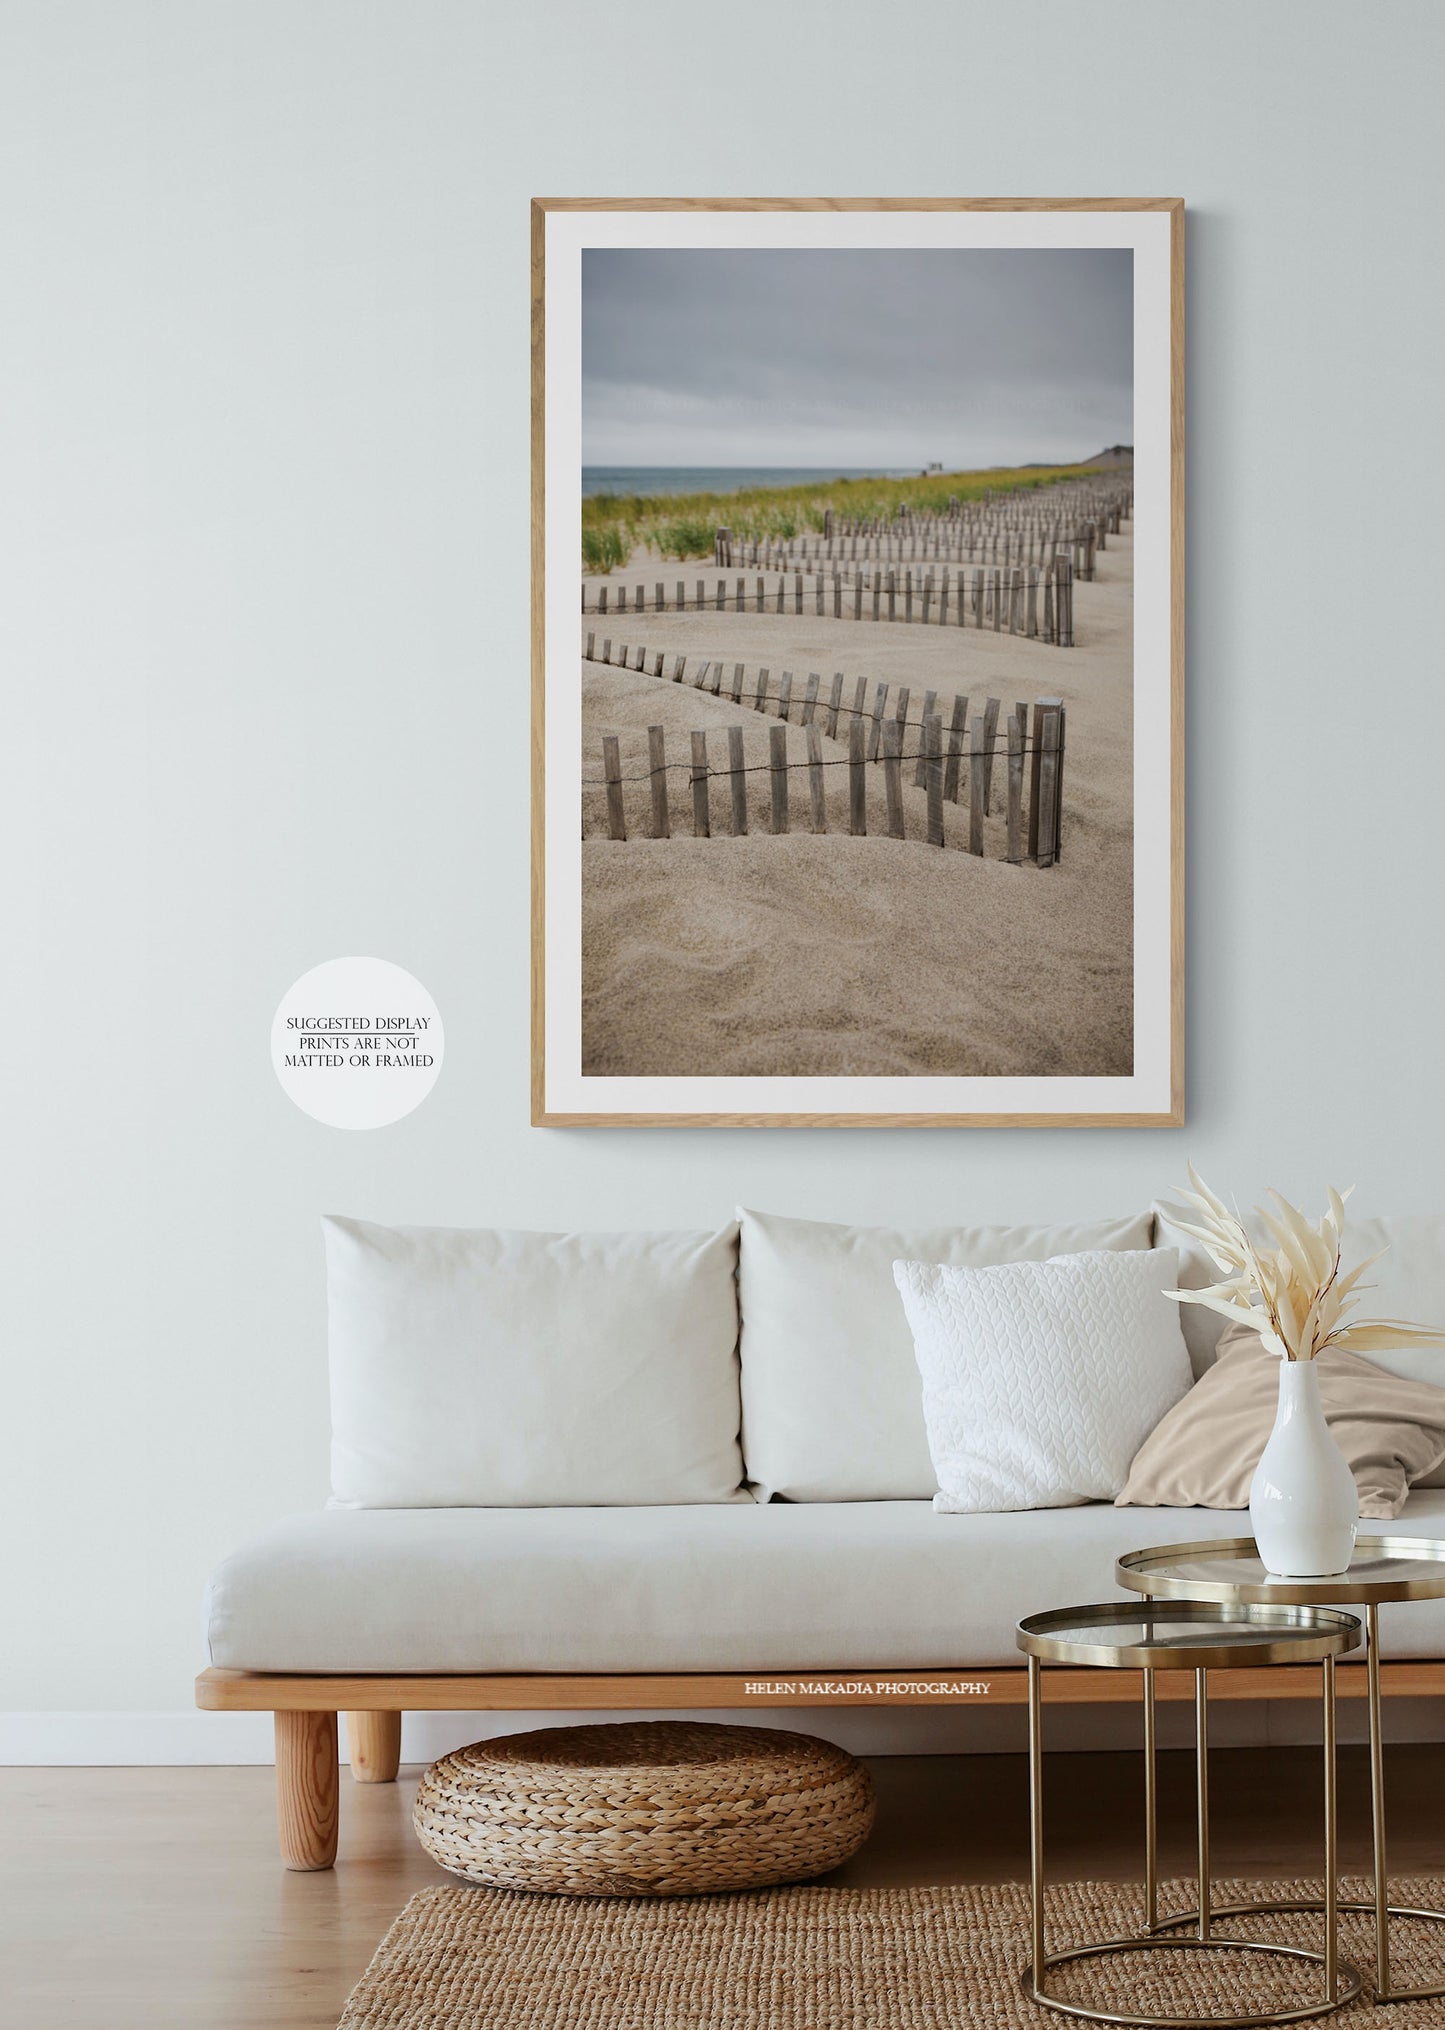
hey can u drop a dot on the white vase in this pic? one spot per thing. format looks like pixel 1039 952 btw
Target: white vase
pixel 1303 1501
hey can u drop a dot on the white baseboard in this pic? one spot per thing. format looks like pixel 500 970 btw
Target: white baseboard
pixel 188 1739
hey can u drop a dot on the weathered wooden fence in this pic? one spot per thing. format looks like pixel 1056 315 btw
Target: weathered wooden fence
pixel 1012 546
pixel 1036 601
pixel 1014 529
pixel 943 762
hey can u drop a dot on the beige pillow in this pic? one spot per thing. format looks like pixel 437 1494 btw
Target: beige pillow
pixel 1203 1453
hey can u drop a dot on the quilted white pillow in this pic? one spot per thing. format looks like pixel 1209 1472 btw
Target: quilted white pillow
pixel 1041 1380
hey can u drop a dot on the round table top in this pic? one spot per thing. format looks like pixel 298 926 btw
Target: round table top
pixel 1229 1569
pixel 1186 1635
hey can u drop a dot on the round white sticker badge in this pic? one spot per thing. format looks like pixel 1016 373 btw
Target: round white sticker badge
pixel 357 1043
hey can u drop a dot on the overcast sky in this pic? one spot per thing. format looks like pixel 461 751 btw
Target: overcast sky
pixel 695 356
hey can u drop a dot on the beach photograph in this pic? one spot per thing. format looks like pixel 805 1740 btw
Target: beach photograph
pixel 856 692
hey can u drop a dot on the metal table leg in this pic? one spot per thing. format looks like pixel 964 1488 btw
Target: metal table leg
pixel 1201 1778
pixel 1151 1808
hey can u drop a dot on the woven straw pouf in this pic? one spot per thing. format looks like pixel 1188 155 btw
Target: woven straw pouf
pixel 645 1808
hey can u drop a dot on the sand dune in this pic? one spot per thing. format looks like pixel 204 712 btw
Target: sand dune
pixel 791 955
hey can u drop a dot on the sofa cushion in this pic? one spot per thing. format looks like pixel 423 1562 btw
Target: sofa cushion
pixel 768 1588
pixel 507 1369
pixel 832 1407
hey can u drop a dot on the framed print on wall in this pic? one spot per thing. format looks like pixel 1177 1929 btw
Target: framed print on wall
pixel 858 762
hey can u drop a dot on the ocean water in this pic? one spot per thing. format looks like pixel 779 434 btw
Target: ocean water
pixel 653 479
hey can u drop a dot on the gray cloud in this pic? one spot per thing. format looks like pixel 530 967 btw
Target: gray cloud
pixel 875 357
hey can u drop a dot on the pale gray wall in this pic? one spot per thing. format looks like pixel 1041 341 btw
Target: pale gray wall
pixel 263 281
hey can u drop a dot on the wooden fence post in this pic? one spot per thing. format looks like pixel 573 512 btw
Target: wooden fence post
pixel 737 781
pixel 1064 600
pixel 612 769
pixel 699 786
pixel 990 729
pixel 837 596
pixel 657 662
pixel 810 699
pixel 722 595
pixel 737 692
pixel 978 760
pixel 880 699
pixel 657 762
pixel 1048 788
pixel 835 699
pixel 701 595
pixel 797 592
pixel 857 780
pixel 1031 615
pixel 1015 786
pixel 919 774
pixel 678 669
pixel 785 694
pixel 1056 706
pixel 602 599
pixel 997 604
pixel 892 594
pixel 955 747
pixel 760 696
pixel 681 596
pixel 893 777
pixel 933 780
pixel 1035 763
pixel 778 778
pixel 815 780
pixel 591 646
pixel 742 595
pixel 661 600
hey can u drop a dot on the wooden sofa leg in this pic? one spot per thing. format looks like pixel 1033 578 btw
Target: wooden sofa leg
pixel 374 1740
pixel 308 1788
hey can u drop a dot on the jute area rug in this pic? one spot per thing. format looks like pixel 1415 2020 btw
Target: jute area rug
pixel 845 1959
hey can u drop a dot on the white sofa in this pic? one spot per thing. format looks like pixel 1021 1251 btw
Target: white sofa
pixel 668 1470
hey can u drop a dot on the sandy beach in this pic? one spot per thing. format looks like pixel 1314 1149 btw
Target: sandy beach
pixel 828 954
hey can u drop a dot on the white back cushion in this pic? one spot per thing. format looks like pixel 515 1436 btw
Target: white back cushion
pixel 494 1369
pixel 832 1406
pixel 1041 1380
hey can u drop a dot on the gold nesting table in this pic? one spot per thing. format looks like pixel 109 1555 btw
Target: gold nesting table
pixel 1201 1635
pixel 1227 1572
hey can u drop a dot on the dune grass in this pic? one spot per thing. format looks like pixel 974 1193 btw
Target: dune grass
pixel 682 525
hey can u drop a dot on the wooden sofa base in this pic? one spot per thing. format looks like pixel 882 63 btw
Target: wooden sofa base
pixel 306 1708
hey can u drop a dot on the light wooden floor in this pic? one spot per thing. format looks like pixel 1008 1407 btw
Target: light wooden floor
pixel 146 1899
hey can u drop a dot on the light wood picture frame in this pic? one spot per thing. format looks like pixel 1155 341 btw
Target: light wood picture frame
pixel 831 872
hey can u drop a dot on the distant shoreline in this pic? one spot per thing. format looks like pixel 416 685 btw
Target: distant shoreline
pixel 649 482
